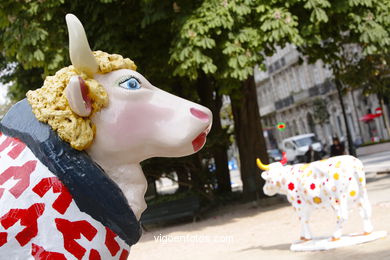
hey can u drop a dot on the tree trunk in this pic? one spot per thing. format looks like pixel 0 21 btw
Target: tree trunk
pixel 183 178
pixel 351 147
pixel 210 98
pixel 385 116
pixel 249 137
pixel 195 168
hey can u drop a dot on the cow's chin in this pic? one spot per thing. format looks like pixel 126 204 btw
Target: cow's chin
pixel 183 147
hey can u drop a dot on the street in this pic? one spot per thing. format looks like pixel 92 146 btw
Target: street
pixel 377 162
pixel 249 232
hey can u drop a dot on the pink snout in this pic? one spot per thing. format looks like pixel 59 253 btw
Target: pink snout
pixel 200 114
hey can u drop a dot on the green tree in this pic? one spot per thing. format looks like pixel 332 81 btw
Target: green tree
pixel 346 32
pixel 320 111
pixel 213 42
pixel 371 73
pixel 34 44
pixel 226 39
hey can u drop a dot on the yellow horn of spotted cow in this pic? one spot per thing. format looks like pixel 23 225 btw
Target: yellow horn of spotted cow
pixel 262 166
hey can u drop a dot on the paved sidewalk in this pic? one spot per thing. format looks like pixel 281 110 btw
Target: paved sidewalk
pixel 241 232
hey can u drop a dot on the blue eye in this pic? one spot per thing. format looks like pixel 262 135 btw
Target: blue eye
pixel 131 83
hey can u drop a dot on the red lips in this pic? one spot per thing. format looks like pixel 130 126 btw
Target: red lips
pixel 199 141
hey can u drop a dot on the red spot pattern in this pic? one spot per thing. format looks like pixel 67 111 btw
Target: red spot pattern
pixel 73 230
pixel 299 201
pixel 124 255
pixel 312 186
pixel 63 201
pixel 291 186
pixel 28 218
pixel 39 253
pixel 3 238
pixel 21 173
pixel 16 150
pixel 110 242
pixel 94 255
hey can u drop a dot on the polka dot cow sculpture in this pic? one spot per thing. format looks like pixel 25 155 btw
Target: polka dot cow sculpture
pixel 71 186
pixel 337 182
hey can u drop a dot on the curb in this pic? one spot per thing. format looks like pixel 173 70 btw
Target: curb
pixel 377 170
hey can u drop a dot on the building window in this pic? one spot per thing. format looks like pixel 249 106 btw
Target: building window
pixel 288 128
pixel 295 127
pixel 283 86
pixel 310 123
pixel 293 80
pixel 316 74
pixel 339 126
pixel 301 77
pixel 303 127
pixel 350 124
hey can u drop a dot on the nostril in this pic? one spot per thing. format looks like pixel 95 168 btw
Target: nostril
pixel 200 114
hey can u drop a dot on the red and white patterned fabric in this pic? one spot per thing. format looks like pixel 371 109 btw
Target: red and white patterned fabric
pixel 39 218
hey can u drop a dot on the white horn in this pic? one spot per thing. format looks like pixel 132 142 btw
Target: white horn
pixel 80 53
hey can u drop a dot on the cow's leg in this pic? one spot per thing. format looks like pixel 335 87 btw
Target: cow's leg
pixel 342 215
pixel 304 216
pixel 365 212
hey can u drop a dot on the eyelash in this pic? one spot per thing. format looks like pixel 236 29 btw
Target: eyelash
pixel 127 78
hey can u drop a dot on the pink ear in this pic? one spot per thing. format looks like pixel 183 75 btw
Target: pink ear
pixel 77 94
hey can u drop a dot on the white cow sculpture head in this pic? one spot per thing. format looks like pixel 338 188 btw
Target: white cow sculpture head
pixel 274 176
pixel 116 115
pixel 140 121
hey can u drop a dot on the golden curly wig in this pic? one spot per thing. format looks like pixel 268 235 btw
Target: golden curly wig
pixel 50 105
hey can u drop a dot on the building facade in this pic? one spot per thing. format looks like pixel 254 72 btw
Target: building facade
pixel 289 92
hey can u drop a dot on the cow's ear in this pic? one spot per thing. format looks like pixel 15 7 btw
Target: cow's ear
pixel 77 93
pixel 264 175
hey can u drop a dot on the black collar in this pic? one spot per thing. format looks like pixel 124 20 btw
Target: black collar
pixel 93 191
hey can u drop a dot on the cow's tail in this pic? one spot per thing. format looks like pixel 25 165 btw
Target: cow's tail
pixel 360 176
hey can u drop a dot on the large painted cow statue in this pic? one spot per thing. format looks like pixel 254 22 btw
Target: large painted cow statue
pixel 71 186
pixel 337 182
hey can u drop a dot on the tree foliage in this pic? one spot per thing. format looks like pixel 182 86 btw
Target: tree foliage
pixel 140 30
pixel 371 73
pixel 222 38
pixel 228 38
pixel 320 111
pixel 173 41
pixel 354 26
